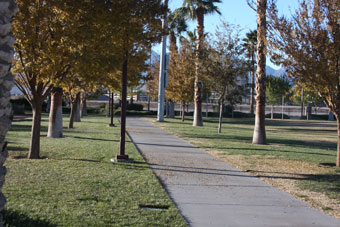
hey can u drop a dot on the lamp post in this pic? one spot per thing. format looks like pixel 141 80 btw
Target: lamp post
pixel 111 110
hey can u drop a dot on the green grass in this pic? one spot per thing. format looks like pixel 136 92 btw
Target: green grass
pixel 308 141
pixel 75 184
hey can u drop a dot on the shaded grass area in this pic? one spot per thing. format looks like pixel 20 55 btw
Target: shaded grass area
pixel 298 140
pixel 75 184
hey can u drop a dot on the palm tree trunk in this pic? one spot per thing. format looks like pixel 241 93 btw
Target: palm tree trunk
pixel 55 122
pixel 8 12
pixel 198 120
pixel 34 150
pixel 259 136
pixel 252 84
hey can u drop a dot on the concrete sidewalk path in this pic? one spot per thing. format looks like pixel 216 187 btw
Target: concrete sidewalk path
pixel 209 192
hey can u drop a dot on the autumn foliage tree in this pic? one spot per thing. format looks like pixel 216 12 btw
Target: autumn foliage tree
pixel 181 75
pixel 43 55
pixel 226 66
pixel 307 45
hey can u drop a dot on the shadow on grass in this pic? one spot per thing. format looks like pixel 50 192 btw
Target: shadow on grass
pixel 15 149
pixel 185 169
pixel 15 218
pixel 88 138
pixel 280 141
pixel 24 128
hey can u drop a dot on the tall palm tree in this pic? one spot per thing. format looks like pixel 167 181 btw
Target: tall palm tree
pixel 195 10
pixel 8 9
pixel 249 44
pixel 259 136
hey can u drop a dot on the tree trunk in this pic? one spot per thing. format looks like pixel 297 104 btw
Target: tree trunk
pixel 148 103
pixel 7 13
pixel 252 85
pixel 220 117
pixel 302 102
pixel 77 111
pixel 55 122
pixel 272 112
pixel 183 110
pixel 259 136
pixel 198 120
pixel 338 148
pixel 34 150
pixel 73 110
pixel 83 112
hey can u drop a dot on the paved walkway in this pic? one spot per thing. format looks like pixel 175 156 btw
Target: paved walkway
pixel 209 192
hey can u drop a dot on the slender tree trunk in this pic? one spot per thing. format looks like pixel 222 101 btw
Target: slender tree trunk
pixel 34 150
pixel 77 111
pixel 259 136
pixel 55 122
pixel 183 110
pixel 302 102
pixel 148 103
pixel 338 147
pixel 198 120
pixel 7 81
pixel 83 112
pixel 220 117
pixel 73 110
pixel 272 112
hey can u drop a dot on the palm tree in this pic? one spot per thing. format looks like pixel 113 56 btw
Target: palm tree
pixel 259 136
pixel 7 13
pixel 196 9
pixel 249 44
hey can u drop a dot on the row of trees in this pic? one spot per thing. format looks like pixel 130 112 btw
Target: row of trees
pixel 75 47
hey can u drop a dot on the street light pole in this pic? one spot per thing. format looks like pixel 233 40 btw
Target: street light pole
pixel 161 89
pixel 122 155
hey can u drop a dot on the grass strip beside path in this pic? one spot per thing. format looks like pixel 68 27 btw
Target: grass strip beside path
pixel 299 158
pixel 75 184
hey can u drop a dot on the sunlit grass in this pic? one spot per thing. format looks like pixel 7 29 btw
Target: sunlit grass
pixel 75 184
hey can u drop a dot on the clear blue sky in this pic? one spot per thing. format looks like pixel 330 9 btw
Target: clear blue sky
pixel 234 12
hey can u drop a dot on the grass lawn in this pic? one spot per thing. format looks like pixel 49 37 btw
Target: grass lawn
pixel 75 184
pixel 299 158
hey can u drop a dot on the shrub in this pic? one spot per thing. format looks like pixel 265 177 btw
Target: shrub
pixel 278 116
pixel 136 107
